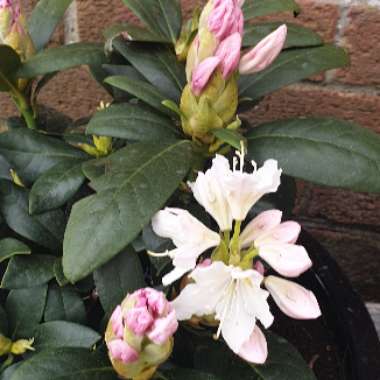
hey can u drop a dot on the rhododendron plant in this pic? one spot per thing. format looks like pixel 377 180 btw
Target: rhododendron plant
pixel 155 238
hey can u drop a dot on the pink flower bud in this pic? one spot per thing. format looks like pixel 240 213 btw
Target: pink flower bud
pixel 202 73
pixel 117 322
pixel 163 328
pixel 139 320
pixel 264 53
pixel 255 350
pixel 293 299
pixel 222 18
pixel 228 53
pixel 120 350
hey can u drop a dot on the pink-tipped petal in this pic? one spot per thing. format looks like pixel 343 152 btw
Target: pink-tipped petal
pixel 120 350
pixel 293 299
pixel 287 259
pixel 229 54
pixel 261 224
pixel 222 18
pixel 255 350
pixel 139 320
pixel 163 328
pixel 264 53
pixel 202 74
pixel 287 232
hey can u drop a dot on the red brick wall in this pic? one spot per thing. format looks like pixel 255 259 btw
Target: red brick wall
pixel 347 223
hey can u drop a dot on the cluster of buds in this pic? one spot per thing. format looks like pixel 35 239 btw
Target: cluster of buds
pixel 210 99
pixel 139 334
pixel 13 29
pixel 19 347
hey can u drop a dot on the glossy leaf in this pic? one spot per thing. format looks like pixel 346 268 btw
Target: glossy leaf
pixel 255 8
pixel 56 334
pixel 62 58
pixel 64 304
pixel 120 276
pixel 292 66
pixel 45 229
pixel 44 19
pixel 72 363
pixel 162 17
pixel 58 273
pixel 284 362
pixel 24 308
pixel 31 153
pixel 26 272
pixel 101 225
pixel 56 186
pixel 141 90
pixel 324 151
pixel 158 65
pixel 10 247
pixel 8 372
pixel 297 36
pixel 9 64
pixel 131 122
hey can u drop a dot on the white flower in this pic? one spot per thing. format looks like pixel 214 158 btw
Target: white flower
pixel 232 294
pixel 189 235
pixel 275 243
pixel 209 192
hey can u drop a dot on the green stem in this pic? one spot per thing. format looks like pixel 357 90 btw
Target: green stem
pixel 235 245
pixel 24 108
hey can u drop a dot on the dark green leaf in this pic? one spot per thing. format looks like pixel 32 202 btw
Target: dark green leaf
pixel 255 8
pixel 65 363
pixel 141 90
pixel 31 153
pixel 64 304
pixel 120 276
pixel 26 272
pixel 162 17
pixel 8 372
pixel 56 186
pixel 44 19
pixel 24 308
pixel 184 374
pixel 131 122
pixel 284 362
pixel 58 273
pixel 230 137
pixel 9 64
pixel 297 36
pixel 292 66
pixel 158 65
pixel 325 151
pixel 4 169
pixel 62 58
pixel 101 225
pixel 3 322
pixel 64 334
pixel 45 229
pixel 10 247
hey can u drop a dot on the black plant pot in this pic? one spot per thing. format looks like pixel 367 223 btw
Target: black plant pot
pixel 344 312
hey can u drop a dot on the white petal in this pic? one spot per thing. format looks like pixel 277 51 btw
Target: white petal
pixel 173 275
pixel 183 228
pixel 259 226
pixel 293 299
pixel 287 259
pixel 201 297
pixel 255 350
pixel 236 323
pixel 209 192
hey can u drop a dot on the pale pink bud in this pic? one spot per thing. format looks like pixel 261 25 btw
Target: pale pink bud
pixel 293 299
pixel 163 328
pixel 228 53
pixel 264 53
pixel 117 322
pixel 139 320
pixel 222 18
pixel 255 350
pixel 202 73
pixel 122 351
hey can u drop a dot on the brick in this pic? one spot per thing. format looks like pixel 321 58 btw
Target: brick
pixel 339 206
pixel 360 37
pixel 312 100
